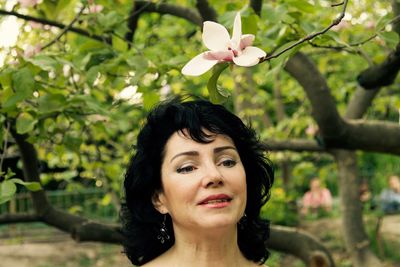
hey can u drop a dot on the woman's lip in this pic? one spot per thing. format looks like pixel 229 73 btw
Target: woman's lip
pixel 215 197
pixel 216 205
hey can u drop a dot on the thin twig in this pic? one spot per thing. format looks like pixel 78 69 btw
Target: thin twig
pixel 310 36
pixel 55 24
pixel 338 4
pixel 65 30
pixel 395 20
pixel 3 155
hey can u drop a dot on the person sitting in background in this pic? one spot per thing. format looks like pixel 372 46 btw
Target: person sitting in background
pixel 316 199
pixel 390 197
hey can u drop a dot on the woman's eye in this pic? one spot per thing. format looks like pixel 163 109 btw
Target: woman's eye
pixel 185 169
pixel 228 163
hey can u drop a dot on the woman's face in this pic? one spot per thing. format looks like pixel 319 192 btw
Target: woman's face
pixel 204 185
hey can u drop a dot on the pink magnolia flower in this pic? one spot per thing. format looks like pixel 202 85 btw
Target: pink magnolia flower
pixel 30 50
pixel 237 49
pixel 95 8
pixel 28 3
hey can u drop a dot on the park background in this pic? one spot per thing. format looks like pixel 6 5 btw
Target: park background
pixel 77 79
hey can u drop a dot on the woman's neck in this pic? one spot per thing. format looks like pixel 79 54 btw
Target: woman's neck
pixel 206 248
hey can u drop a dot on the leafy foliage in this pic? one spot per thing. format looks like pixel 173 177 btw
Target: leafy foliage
pixel 82 100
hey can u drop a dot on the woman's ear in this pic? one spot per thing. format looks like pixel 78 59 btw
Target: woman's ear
pixel 158 201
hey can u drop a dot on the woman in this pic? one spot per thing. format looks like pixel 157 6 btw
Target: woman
pixel 194 189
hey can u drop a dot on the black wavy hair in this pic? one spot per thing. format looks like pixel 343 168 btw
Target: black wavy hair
pixel 141 221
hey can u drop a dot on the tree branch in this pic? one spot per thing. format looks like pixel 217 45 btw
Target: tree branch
pixel 65 30
pixel 383 74
pixel 310 36
pixel 161 8
pixel 256 5
pixel 45 212
pixel 55 24
pixel 324 109
pixel 296 145
pixel 206 11
pixel 298 243
pixel 360 102
pixel 337 132
pixel 18 218
pixel 367 136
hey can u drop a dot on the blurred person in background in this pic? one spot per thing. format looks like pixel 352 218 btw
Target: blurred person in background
pixel 317 200
pixel 390 197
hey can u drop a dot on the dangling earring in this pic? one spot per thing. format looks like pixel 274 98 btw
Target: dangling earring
pixel 243 222
pixel 163 236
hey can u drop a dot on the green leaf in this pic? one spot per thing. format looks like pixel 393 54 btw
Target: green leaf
pixel 119 44
pixel 44 62
pixel 110 20
pixel 273 13
pixel 138 62
pixel 72 142
pixel 25 123
pixel 249 24
pixel 92 75
pixel 2 133
pixel 106 200
pixel 383 21
pixel 301 5
pixel 23 84
pixel 31 186
pixel 150 99
pixel 87 103
pixel 51 102
pixel 23 81
pixel 215 94
pixel 9 174
pixel 7 191
pixel 390 38
pixel 62 5
pixel 6 78
pixel 95 59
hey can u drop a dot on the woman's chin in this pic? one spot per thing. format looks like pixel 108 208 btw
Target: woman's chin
pixel 218 222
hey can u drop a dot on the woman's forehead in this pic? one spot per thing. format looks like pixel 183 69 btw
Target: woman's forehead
pixel 184 133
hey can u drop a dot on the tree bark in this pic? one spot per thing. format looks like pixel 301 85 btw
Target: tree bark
pixel 356 239
pixel 298 243
pixel 206 11
pixel 337 132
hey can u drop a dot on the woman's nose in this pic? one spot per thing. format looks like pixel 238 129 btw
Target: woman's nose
pixel 212 176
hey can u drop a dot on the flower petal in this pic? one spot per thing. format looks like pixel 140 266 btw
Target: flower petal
pixel 220 55
pixel 199 65
pixel 237 31
pixel 250 56
pixel 215 36
pixel 246 40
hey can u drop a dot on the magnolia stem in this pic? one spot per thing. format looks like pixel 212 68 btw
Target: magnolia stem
pixel 310 36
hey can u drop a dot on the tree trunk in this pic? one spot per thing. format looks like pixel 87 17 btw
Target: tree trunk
pixel 355 237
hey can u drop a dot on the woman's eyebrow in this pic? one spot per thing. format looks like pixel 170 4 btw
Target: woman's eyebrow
pixel 222 148
pixel 186 153
pixel 196 153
